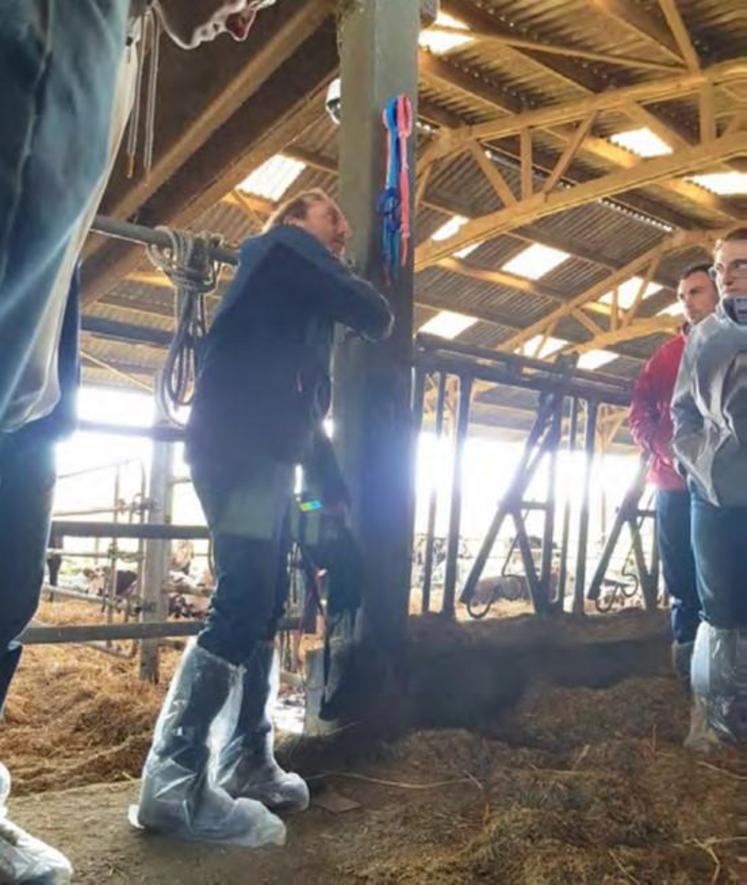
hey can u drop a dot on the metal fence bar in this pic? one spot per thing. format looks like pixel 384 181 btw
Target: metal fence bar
pixel 45 635
pixel 455 516
pixel 583 527
pixel 565 532
pixel 433 501
pixel 148 236
pixel 157 531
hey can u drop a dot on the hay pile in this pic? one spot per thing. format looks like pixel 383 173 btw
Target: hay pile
pixel 76 716
pixel 578 786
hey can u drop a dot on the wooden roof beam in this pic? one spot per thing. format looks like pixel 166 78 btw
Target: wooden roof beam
pixel 673 242
pixel 679 32
pixel 637 19
pixel 662 89
pixel 517 42
pixel 539 206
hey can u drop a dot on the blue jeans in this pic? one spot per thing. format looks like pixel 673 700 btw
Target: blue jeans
pixel 677 562
pixel 27 476
pixel 58 66
pixel 248 518
pixel 719 540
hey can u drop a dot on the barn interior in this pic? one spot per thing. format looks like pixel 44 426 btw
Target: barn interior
pixel 505 710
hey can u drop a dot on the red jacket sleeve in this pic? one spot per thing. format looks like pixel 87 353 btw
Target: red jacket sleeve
pixel 644 411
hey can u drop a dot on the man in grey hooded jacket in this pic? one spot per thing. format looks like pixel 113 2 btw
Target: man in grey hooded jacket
pixel 709 411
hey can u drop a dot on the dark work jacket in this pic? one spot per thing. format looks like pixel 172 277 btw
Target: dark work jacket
pixel 263 386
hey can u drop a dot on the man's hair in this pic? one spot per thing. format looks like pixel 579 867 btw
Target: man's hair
pixel 738 233
pixel 296 207
pixel 695 268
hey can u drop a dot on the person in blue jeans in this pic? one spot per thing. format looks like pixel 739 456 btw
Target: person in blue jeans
pixel 651 426
pixel 66 71
pixel 709 409
pixel 262 393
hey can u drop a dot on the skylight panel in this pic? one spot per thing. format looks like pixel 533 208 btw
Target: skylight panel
pixel 273 178
pixel 449 228
pixel 447 324
pixel 551 346
pixel 439 43
pixel 642 142
pixel 627 292
pixel 726 184
pixel 595 359
pixel 467 250
pixel 535 261
pixel 671 310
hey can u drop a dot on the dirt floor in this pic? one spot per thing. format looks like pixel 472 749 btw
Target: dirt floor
pixel 572 785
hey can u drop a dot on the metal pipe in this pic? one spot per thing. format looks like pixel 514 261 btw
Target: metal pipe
pixel 512 377
pixel 447 346
pixel 162 432
pixel 565 532
pixel 455 516
pixel 38 635
pixel 157 531
pixel 553 442
pixel 80 595
pixel 433 499
pixel 97 467
pixel 583 528
pixel 138 233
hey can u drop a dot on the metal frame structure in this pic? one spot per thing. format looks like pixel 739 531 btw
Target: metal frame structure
pixel 559 386
pixel 631 514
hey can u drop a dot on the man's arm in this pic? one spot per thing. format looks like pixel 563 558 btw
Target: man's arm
pixel 343 296
pixel 687 420
pixel 644 416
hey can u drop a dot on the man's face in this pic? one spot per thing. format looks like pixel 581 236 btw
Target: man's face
pixel 730 268
pixel 191 22
pixel 698 296
pixel 324 219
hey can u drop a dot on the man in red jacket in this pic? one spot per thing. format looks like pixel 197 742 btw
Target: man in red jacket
pixel 651 426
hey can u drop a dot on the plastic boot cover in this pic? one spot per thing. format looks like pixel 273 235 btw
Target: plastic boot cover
pixel 682 656
pixel 719 680
pixel 177 796
pixel 24 858
pixel 246 764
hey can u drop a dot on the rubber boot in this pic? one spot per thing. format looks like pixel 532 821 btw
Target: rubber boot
pixel 177 796
pixel 246 765
pixel 24 858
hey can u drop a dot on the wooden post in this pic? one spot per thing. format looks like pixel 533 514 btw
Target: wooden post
pixel 372 409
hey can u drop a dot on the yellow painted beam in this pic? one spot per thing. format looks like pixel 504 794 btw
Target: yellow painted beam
pixel 542 205
pixel 639 329
pixel 553 49
pixel 680 33
pixel 661 89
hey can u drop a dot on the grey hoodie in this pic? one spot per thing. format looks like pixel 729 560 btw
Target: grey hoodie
pixel 709 410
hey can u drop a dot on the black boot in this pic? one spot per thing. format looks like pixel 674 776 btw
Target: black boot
pixel 246 765
pixel 176 795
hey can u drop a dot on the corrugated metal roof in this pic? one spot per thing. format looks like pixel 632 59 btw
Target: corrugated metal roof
pixel 515 78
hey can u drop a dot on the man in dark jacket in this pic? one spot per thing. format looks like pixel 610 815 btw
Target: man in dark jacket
pixel 651 427
pixel 262 393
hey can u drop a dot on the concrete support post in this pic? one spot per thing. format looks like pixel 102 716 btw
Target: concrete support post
pixel 157 555
pixel 372 408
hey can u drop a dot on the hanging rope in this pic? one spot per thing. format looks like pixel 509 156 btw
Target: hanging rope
pixel 394 202
pixel 148 33
pixel 193 273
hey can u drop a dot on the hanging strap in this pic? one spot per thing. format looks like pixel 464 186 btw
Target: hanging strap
pixel 389 206
pixel 404 131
